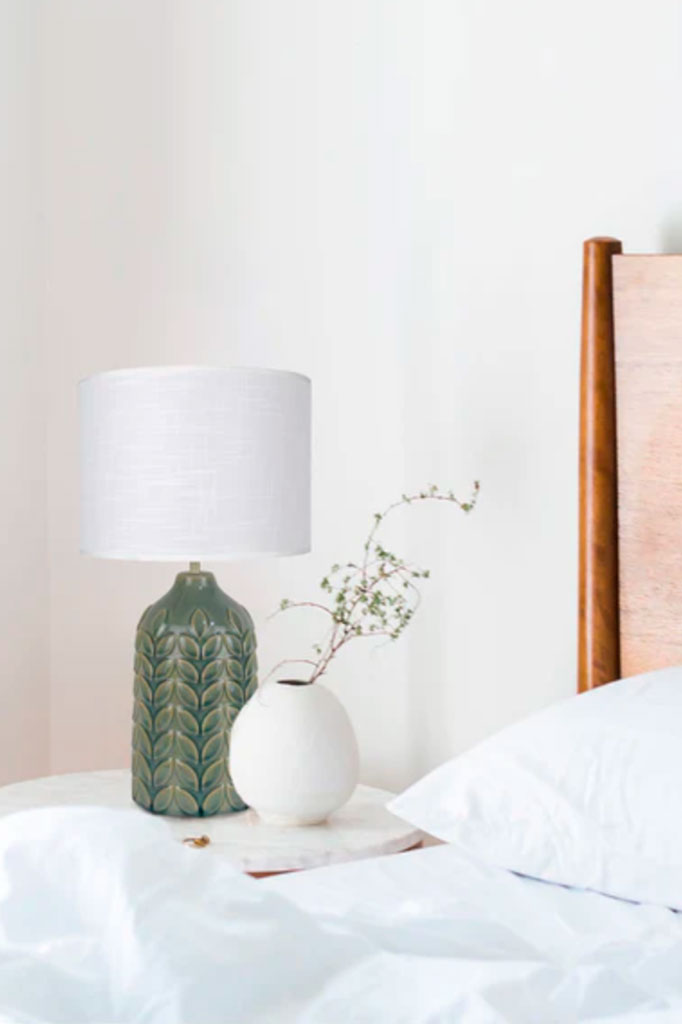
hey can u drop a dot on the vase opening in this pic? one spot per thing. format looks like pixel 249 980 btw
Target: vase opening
pixel 294 682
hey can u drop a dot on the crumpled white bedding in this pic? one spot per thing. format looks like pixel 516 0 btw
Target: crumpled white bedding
pixel 103 918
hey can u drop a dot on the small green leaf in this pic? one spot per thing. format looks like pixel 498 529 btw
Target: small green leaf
pixel 216 801
pixel 141 793
pixel 249 642
pixel 164 719
pixel 186 775
pixel 163 799
pixel 141 715
pixel 214 773
pixel 186 747
pixel 213 671
pixel 233 623
pixel 235 670
pixel 185 802
pixel 211 647
pixel 187 671
pixel 144 666
pixel 164 745
pixel 189 647
pixel 141 740
pixel 141 688
pixel 215 719
pixel 165 645
pixel 234 799
pixel 212 694
pixel 158 620
pixel 235 693
pixel 141 769
pixel 233 645
pixel 144 643
pixel 164 773
pixel 217 746
pixel 199 622
pixel 187 722
pixel 163 670
pixel 163 693
pixel 186 695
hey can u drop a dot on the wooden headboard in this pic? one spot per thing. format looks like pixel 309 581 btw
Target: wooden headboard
pixel 630 577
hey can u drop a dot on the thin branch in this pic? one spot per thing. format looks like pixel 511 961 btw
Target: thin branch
pixel 392 607
pixel 300 604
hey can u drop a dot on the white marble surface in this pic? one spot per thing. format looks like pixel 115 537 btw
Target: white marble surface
pixel 362 828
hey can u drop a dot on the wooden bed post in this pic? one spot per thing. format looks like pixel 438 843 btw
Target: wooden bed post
pixel 598 626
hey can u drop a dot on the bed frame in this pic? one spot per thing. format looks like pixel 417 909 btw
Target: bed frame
pixel 630 575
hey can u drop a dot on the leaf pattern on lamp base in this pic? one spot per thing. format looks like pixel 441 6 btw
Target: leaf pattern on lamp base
pixel 195 667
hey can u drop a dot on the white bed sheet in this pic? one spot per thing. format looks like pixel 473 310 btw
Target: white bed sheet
pixel 103 918
pixel 457 940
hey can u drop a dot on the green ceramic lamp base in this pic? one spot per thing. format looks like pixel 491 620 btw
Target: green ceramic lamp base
pixel 195 667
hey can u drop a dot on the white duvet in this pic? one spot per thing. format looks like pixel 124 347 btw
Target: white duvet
pixel 104 918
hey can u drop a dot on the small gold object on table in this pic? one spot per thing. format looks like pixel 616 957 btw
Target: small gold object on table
pixel 196 841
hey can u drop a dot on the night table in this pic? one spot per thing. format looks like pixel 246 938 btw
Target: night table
pixel 362 828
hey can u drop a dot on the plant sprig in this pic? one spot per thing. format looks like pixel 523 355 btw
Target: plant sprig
pixel 375 597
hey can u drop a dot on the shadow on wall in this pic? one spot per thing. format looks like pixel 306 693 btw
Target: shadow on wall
pixel 670 234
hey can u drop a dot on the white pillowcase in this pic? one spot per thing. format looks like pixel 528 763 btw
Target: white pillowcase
pixel 587 793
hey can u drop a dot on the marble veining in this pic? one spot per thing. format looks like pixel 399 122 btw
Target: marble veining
pixel 361 828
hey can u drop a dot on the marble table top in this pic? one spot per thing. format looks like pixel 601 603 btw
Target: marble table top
pixel 361 828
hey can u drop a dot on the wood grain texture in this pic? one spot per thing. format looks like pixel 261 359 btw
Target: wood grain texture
pixel 598 612
pixel 648 324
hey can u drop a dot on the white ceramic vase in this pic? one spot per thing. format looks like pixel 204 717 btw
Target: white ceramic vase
pixel 293 753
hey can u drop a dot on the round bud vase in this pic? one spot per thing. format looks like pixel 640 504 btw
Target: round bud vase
pixel 293 753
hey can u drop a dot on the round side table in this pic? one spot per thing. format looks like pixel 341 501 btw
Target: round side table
pixel 361 828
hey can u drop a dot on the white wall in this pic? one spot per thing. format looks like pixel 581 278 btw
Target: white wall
pixel 24 693
pixel 389 195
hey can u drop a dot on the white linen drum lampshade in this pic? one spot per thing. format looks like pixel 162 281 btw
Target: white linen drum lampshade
pixel 185 464
pixel 189 463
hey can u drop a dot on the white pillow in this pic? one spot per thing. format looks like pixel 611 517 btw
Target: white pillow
pixel 587 793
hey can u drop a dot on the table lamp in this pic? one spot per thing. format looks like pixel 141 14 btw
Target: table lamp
pixel 189 464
